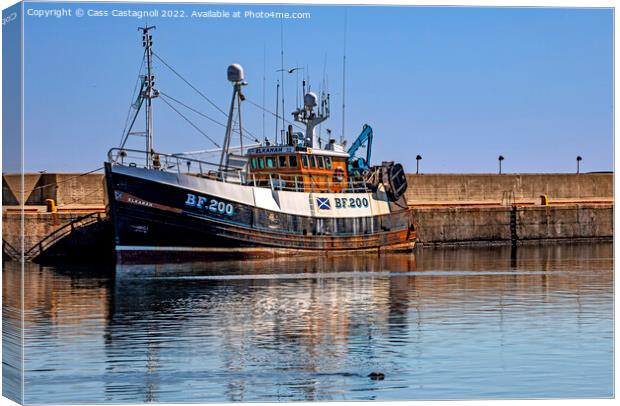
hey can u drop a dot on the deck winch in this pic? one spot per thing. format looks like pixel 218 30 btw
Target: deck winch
pixel 391 175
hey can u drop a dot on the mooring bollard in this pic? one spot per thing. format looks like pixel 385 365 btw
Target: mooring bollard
pixel 51 205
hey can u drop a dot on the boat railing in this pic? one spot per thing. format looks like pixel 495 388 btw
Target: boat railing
pixel 297 183
pixel 183 165
pixel 176 164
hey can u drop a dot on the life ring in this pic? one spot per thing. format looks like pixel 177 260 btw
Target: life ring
pixel 338 175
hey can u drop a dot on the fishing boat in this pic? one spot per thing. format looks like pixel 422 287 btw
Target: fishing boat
pixel 302 194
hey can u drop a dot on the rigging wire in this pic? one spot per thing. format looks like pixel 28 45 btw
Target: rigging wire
pixel 161 93
pixel 190 122
pixel 190 85
pixel 252 138
pixel 132 123
pixel 273 114
pixel 132 101
pixel 200 93
pixel 277 116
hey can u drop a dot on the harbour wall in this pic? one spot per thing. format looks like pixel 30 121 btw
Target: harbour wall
pixel 64 188
pixel 65 234
pixel 68 188
pixel 513 224
pixel 449 209
pixel 478 209
pixel 445 188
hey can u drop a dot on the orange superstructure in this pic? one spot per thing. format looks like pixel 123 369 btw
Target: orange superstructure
pixel 302 169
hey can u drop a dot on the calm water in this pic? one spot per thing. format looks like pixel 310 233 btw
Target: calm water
pixel 442 324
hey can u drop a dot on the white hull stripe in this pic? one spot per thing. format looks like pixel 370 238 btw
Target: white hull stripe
pixel 339 205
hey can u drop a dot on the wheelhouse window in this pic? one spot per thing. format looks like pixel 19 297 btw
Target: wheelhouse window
pixel 253 163
pixel 312 162
pixel 304 161
pixel 319 162
pixel 292 161
pixel 282 161
pixel 270 161
pixel 261 163
pixel 328 162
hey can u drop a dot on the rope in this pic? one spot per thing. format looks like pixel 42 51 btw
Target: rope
pixel 80 198
pixel 63 181
pixel 190 122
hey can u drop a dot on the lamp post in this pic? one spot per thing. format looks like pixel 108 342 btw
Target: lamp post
pixel 418 158
pixel 579 158
pixel 500 159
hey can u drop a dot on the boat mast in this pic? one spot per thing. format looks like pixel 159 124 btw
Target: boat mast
pixel 282 74
pixel 344 74
pixel 149 91
pixel 236 77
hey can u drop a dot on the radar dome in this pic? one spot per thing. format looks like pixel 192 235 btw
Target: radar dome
pixel 235 73
pixel 310 100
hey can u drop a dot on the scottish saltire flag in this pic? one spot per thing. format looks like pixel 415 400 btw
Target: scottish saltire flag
pixel 323 203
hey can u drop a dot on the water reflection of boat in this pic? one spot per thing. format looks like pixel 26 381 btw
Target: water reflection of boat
pixel 301 193
pixel 149 332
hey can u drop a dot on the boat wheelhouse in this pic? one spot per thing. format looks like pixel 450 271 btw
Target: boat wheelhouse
pixel 300 170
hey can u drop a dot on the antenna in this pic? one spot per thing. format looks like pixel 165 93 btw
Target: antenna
pixel 149 92
pixel 277 104
pixel 282 68
pixel 297 84
pixel 344 74
pixel 322 92
pixel 264 82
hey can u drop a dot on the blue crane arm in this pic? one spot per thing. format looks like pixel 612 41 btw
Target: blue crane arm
pixel 365 136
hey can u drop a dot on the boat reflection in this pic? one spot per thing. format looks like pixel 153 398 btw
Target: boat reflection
pixel 295 328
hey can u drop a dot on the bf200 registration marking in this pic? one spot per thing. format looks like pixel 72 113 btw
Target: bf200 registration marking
pixel 211 205
pixel 350 202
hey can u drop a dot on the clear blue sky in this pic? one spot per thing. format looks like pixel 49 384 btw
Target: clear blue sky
pixel 458 86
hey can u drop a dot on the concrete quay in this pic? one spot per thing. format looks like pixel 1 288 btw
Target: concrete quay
pixel 514 224
pixel 480 209
pixel 78 228
pixel 459 189
pixel 449 209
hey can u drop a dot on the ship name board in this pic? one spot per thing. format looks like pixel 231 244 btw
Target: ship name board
pixel 272 150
